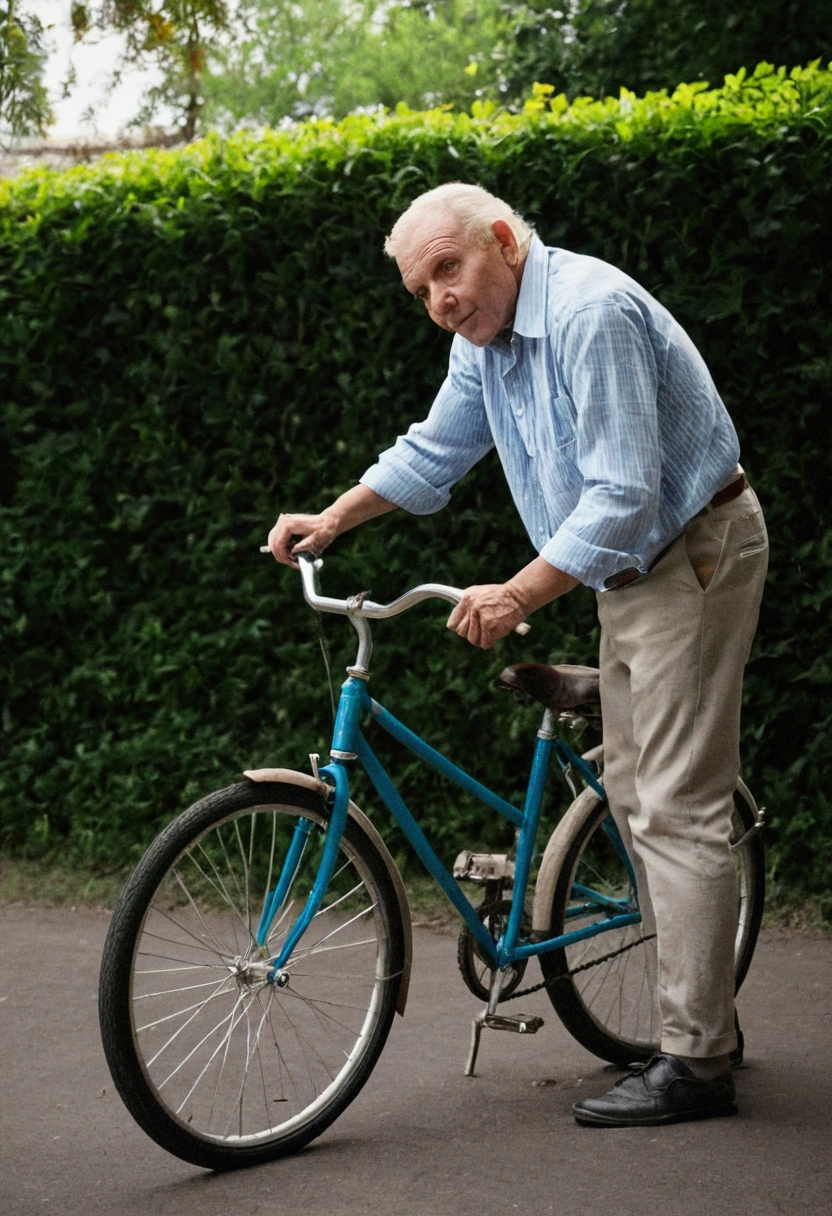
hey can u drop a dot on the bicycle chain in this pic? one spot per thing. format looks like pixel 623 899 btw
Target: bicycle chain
pixel 605 958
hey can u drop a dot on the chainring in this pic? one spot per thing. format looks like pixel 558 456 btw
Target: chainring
pixel 475 968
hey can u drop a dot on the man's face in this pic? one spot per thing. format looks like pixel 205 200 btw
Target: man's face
pixel 467 288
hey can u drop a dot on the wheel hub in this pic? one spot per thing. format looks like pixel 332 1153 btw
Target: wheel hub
pixel 251 972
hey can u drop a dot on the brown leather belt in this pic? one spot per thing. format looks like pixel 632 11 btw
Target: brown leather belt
pixel 730 492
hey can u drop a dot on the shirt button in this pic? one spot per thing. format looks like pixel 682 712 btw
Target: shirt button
pixel 519 411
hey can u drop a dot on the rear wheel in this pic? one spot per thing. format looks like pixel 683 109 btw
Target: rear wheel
pixel 219 1060
pixel 610 1006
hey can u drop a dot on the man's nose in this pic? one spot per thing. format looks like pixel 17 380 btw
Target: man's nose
pixel 441 301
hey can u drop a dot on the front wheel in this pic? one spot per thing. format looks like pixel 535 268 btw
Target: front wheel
pixel 219 1060
pixel 603 987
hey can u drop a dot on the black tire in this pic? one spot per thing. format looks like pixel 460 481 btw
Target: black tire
pixel 219 1065
pixel 611 1007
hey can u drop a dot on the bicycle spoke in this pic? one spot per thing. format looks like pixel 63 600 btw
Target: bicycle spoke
pixel 282 1065
pixel 219 886
pixel 179 1031
pixel 172 970
pixel 180 880
pixel 339 929
pixel 200 942
pixel 255 1050
pixel 146 996
pixel 211 1058
pixel 172 941
pixel 316 1001
pixel 262 1070
pixel 367 941
pixel 301 1040
pixel 268 886
pixel 219 1081
pixel 241 1093
pixel 199 1005
pixel 322 1012
pixel 332 975
pixel 169 958
pixel 273 932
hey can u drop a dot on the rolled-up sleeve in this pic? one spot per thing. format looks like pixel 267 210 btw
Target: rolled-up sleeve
pixel 418 471
pixel 610 373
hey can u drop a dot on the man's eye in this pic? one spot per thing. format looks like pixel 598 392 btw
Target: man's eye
pixel 449 266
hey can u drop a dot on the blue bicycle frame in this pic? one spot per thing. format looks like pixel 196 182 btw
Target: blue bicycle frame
pixel 349 744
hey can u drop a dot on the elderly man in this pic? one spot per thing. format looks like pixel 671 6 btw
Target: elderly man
pixel 622 461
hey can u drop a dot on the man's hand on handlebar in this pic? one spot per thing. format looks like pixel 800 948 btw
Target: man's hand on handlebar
pixel 490 612
pixel 293 534
pixel 487 613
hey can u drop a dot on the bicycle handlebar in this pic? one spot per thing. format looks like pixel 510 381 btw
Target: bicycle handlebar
pixel 358 605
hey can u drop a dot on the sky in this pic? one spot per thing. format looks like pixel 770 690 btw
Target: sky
pixel 94 63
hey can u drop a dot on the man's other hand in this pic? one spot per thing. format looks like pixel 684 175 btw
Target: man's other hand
pixel 486 614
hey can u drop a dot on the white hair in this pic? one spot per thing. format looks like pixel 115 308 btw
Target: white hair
pixel 473 206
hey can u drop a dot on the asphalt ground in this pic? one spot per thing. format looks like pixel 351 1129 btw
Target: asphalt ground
pixel 421 1139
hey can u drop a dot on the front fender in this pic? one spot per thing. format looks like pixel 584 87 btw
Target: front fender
pixel 291 777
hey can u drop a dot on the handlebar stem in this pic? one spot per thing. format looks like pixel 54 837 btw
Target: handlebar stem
pixel 361 668
pixel 361 610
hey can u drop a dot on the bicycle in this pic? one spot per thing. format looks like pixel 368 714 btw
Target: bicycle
pixel 262 945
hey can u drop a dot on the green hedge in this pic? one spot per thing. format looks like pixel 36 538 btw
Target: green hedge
pixel 192 341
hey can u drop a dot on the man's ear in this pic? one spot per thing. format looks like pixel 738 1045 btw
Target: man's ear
pixel 507 240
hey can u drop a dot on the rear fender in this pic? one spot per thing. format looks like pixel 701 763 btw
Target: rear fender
pixel 547 877
pixel 553 857
pixel 291 777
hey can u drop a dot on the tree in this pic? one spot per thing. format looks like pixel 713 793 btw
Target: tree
pixel 331 57
pixel 24 106
pixel 593 47
pixel 176 34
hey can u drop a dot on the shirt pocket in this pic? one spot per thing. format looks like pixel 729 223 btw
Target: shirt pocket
pixel 560 478
pixel 554 426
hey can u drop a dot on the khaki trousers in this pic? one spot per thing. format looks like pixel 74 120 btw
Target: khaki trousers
pixel 673 649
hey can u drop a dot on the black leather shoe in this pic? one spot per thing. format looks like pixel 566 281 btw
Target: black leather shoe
pixel 664 1090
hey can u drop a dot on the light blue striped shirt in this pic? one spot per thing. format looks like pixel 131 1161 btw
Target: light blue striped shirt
pixel 609 427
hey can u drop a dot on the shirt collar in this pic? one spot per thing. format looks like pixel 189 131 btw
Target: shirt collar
pixel 530 317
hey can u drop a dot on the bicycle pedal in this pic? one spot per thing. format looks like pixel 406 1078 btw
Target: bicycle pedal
pixel 484 868
pixel 519 1023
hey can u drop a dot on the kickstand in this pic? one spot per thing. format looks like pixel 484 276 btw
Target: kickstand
pixel 498 978
pixel 476 1032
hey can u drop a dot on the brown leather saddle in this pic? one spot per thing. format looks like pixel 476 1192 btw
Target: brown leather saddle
pixel 564 689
